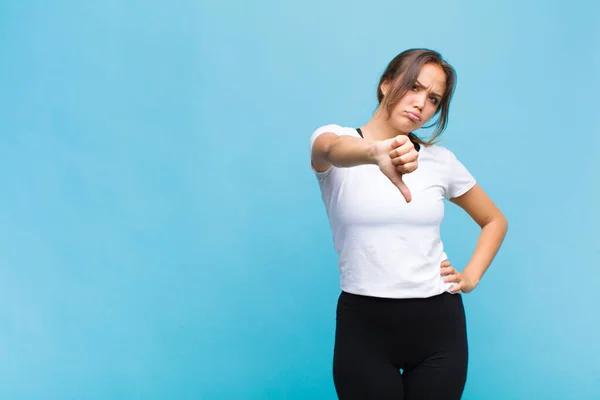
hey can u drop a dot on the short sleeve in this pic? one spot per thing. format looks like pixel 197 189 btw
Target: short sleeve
pixel 459 179
pixel 332 128
pixel 324 129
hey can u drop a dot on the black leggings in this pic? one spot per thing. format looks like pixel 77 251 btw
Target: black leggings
pixel 402 349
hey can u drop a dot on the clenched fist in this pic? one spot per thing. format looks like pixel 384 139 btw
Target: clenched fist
pixel 395 157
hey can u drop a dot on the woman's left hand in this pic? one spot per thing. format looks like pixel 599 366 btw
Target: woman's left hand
pixel 463 282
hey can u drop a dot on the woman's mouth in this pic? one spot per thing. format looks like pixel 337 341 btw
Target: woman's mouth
pixel 413 116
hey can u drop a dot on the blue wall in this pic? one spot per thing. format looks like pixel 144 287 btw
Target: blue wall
pixel 162 235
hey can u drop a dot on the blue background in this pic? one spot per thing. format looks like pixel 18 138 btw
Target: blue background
pixel 162 235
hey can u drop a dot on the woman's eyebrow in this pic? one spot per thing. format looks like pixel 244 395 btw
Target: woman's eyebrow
pixel 423 86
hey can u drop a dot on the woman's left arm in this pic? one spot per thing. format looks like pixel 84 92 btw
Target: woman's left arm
pixel 493 230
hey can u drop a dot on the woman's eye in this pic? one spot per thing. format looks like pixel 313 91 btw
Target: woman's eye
pixel 434 100
pixel 414 87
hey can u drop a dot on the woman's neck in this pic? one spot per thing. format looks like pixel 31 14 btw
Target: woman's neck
pixel 378 128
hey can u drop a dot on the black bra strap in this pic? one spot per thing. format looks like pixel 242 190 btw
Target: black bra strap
pixel 417 145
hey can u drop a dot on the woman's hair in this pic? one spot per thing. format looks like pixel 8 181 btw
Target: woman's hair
pixel 402 72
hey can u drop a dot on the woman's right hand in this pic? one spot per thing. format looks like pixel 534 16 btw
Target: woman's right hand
pixel 395 157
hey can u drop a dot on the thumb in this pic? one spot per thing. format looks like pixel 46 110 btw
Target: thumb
pixel 403 188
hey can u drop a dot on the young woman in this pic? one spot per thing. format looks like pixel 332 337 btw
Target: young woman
pixel 400 329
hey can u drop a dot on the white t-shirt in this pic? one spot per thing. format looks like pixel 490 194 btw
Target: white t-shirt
pixel 387 247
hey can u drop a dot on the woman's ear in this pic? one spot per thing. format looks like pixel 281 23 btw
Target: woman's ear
pixel 385 87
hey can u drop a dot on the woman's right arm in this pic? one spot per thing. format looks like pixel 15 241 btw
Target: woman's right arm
pixel 394 156
pixel 341 151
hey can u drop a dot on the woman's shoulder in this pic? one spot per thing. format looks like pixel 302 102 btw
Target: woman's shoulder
pixel 444 157
pixel 437 150
pixel 335 128
pixel 332 128
pixel 439 154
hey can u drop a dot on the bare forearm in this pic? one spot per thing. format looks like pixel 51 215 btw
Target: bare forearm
pixel 347 151
pixel 489 242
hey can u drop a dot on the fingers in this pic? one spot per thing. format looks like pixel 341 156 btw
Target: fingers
pixel 404 158
pixel 406 163
pixel 407 168
pixel 450 274
pixel 457 288
pixel 461 284
pixel 406 148
pixel 453 278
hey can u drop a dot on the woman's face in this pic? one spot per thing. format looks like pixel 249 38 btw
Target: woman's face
pixel 421 102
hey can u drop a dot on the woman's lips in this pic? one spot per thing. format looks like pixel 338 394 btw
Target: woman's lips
pixel 413 116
